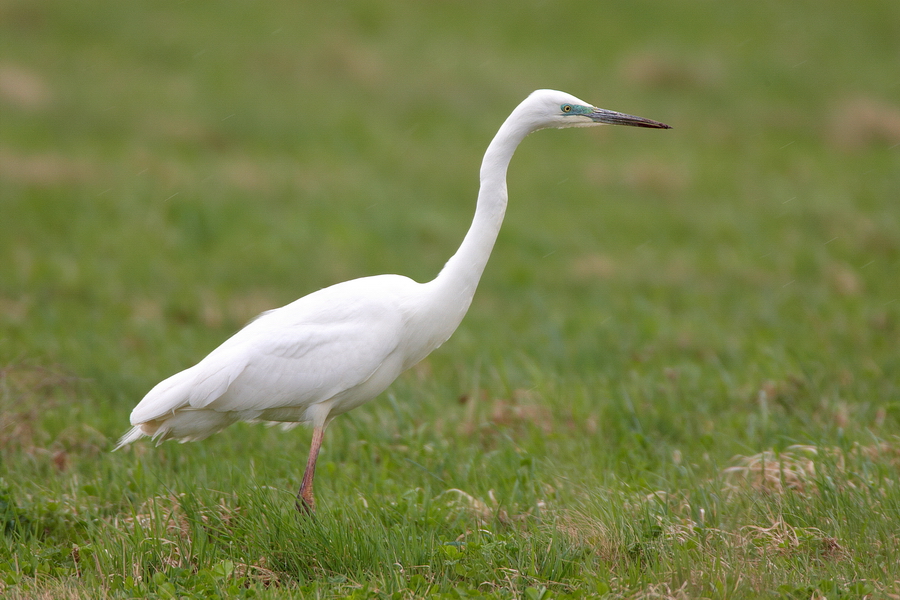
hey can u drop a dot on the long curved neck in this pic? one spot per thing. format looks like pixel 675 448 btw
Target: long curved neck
pixel 458 279
pixel 441 304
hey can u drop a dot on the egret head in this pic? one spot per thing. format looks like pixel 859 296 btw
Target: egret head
pixel 551 108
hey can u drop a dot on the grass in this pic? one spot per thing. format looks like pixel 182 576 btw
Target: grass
pixel 679 377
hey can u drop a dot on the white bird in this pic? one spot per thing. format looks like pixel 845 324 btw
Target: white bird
pixel 343 345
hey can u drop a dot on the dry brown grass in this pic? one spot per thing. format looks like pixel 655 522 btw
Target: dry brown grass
pixel 795 469
pixel 164 518
pixel 860 122
pixel 52 589
pixel 663 591
pixel 23 88
pixel 584 530
pixel 45 169
pixel 659 69
pixel 460 501
pixel 781 538
pixel 593 266
pixel 514 416
pixel 213 310
pixel 792 469
pixel 26 392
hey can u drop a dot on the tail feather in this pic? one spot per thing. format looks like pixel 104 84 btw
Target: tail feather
pixel 187 425
pixel 166 397
pixel 133 434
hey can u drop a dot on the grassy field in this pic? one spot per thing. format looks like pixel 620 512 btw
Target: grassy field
pixel 680 376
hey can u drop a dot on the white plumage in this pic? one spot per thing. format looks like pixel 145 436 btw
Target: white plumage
pixel 341 346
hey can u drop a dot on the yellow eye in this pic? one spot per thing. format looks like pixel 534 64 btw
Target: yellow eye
pixel 566 108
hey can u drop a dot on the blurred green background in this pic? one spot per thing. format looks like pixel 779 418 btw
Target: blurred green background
pixel 176 168
pixel 170 169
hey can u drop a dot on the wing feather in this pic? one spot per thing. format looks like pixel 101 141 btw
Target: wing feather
pixel 293 357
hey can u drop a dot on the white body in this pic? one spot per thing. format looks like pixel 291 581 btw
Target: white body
pixel 309 361
pixel 341 346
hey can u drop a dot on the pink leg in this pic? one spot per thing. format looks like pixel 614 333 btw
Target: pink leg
pixel 306 501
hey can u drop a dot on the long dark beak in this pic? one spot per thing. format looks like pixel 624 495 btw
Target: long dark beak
pixel 611 117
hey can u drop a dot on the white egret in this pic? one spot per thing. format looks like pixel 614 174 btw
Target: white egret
pixel 341 346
